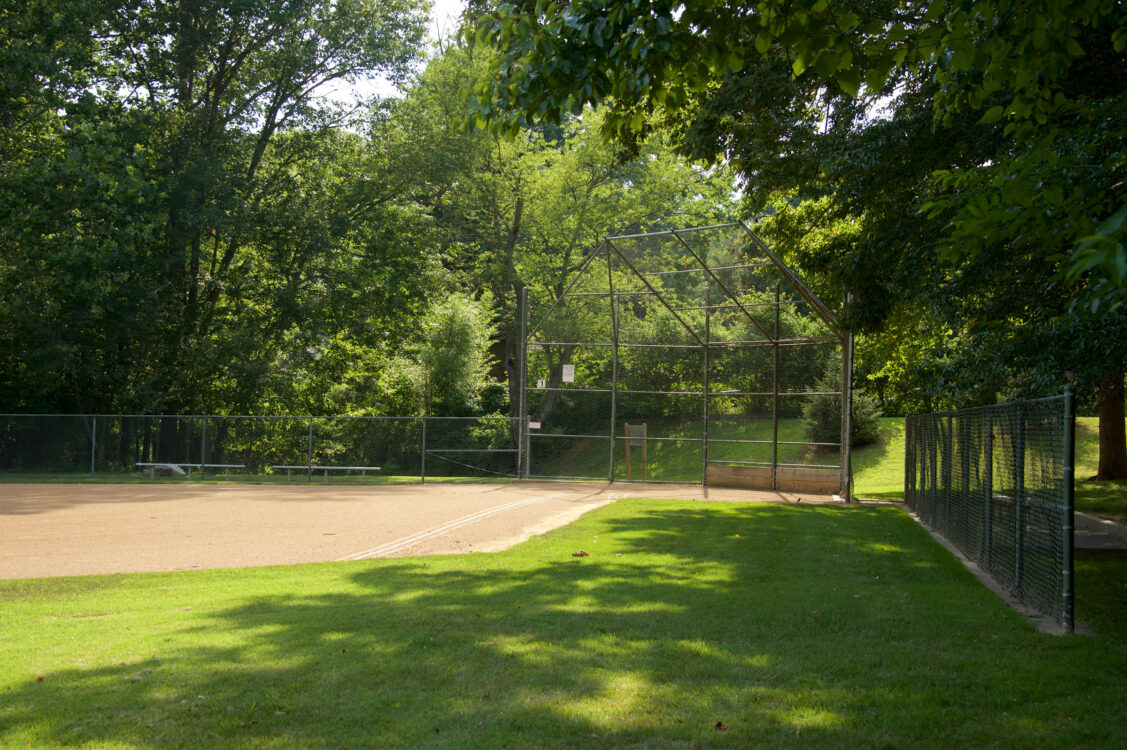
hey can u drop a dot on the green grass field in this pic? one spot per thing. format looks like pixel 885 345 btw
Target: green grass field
pixel 688 625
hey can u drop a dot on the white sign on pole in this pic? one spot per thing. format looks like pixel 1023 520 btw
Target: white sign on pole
pixel 569 373
pixel 534 425
pixel 540 384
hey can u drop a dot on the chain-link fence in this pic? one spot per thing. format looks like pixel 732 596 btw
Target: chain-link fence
pixel 678 356
pixel 260 449
pixel 997 483
pixel 686 356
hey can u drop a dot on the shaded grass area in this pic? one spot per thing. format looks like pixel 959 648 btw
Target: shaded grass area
pixel 1103 499
pixel 688 625
pixel 1101 597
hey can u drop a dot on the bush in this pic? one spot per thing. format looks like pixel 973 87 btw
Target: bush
pixel 821 416
pixel 453 354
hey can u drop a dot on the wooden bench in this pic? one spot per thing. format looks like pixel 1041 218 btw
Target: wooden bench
pixel 326 469
pixel 174 467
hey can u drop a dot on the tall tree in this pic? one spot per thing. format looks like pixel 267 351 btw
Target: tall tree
pixel 526 212
pixel 996 167
pixel 178 203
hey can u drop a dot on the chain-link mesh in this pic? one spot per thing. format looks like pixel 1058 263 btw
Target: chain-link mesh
pixel 679 356
pixel 685 356
pixel 257 449
pixel 996 482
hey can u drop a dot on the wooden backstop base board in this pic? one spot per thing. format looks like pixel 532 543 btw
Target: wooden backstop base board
pixel 787 478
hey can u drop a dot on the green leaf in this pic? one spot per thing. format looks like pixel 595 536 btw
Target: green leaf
pixel 850 81
pixel 993 114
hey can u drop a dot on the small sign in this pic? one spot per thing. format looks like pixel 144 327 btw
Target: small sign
pixel 569 373
pixel 534 425
pixel 541 384
pixel 535 348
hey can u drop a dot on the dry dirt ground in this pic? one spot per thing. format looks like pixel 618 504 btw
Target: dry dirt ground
pixel 82 529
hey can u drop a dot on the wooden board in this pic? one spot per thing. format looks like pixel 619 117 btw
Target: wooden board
pixel 787 478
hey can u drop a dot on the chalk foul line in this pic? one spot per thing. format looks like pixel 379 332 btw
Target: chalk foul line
pixel 407 541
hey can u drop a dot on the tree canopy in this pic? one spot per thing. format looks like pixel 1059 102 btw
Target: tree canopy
pixel 957 163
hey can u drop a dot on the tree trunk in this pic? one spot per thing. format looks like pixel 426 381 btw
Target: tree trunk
pixel 1113 441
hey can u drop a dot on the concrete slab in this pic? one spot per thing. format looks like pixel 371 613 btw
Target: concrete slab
pixel 1099 539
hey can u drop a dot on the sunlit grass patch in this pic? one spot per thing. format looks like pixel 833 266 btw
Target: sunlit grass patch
pixel 689 624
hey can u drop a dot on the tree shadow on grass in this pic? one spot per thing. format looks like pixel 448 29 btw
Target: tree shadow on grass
pixel 686 625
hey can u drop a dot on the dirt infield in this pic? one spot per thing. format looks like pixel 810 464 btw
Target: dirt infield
pixel 81 529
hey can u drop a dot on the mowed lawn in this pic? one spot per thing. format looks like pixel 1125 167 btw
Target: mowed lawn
pixel 686 625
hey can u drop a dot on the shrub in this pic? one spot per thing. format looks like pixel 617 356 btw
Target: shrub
pixel 821 415
pixel 453 354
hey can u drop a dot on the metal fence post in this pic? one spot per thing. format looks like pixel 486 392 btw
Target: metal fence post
pixel 1069 473
pixel 93 442
pixel 1019 497
pixel 964 483
pixel 933 467
pixel 309 453
pixel 847 414
pixel 775 397
pixel 522 408
pixel 203 451
pixel 946 480
pixel 706 364
pixel 423 454
pixel 613 369
pixel 988 485
pixel 909 465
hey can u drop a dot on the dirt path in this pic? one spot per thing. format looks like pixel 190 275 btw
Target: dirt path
pixel 81 529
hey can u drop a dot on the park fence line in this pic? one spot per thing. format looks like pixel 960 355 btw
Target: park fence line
pixel 997 483
pixel 46 446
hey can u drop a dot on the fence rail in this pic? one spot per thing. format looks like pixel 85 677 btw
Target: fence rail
pixel 997 483
pixel 251 448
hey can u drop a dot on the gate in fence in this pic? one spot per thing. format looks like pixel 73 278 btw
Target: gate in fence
pixel 997 483
pixel 707 348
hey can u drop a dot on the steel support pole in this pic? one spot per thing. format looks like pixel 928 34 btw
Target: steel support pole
pixel 93 443
pixel 933 468
pixel 909 464
pixel 988 485
pixel 203 451
pixel 423 454
pixel 706 362
pixel 309 453
pixel 847 417
pixel 948 459
pixel 775 399
pixel 1069 475
pixel 522 386
pixel 1019 499
pixel 613 384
